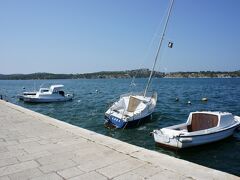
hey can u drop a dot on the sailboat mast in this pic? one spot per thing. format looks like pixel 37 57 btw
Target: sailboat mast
pixel 159 47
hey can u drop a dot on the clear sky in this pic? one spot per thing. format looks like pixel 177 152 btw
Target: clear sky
pixel 79 36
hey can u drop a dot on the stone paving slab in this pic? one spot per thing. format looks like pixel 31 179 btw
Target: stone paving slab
pixel 26 174
pixel 35 146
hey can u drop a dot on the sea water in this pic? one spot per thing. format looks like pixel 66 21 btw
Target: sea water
pixel 94 96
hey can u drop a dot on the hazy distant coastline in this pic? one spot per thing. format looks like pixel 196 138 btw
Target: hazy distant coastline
pixel 138 73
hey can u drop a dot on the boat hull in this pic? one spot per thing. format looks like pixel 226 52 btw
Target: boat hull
pixel 21 96
pixel 191 141
pixel 112 121
pixel 46 100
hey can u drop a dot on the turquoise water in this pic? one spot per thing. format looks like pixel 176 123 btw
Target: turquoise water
pixel 88 107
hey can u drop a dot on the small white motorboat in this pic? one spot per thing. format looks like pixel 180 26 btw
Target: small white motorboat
pixel 131 110
pixel 201 128
pixel 53 94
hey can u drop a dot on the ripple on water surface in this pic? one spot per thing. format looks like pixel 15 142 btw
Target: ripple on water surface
pixel 93 97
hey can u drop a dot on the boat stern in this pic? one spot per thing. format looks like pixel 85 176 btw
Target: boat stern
pixel 167 139
pixel 111 120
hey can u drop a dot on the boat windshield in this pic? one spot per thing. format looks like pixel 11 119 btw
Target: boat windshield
pixel 44 90
pixel 201 121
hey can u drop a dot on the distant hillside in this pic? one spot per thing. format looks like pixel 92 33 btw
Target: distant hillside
pixel 203 74
pixel 138 73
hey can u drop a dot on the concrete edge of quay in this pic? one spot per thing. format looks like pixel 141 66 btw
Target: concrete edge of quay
pixel 183 167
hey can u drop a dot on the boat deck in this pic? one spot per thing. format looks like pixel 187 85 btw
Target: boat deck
pixel 35 146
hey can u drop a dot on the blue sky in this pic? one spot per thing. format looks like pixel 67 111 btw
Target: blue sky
pixel 79 36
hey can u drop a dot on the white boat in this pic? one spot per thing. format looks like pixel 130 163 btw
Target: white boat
pixel 131 110
pixel 54 93
pixel 201 128
pixel 134 108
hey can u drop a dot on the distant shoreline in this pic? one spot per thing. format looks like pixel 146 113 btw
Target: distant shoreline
pixel 138 73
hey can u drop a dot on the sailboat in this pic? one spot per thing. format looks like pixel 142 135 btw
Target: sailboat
pixel 133 109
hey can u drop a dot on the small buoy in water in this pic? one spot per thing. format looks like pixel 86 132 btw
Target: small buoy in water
pixel 177 99
pixel 96 91
pixel 23 88
pixel 189 102
pixel 205 99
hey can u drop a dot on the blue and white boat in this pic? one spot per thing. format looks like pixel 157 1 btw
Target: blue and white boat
pixel 134 108
pixel 131 110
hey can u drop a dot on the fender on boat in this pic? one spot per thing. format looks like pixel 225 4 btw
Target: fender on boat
pixel 183 140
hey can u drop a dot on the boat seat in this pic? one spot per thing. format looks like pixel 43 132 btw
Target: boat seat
pixel 201 121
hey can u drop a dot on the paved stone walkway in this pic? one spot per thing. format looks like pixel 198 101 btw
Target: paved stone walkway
pixel 34 146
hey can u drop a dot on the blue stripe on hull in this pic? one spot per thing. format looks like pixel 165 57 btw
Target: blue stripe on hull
pixel 119 123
